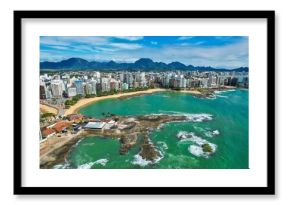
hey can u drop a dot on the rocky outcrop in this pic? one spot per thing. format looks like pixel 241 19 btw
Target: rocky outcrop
pixel 149 151
pixel 126 142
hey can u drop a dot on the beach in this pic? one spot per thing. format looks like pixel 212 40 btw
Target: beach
pixel 46 108
pixel 84 102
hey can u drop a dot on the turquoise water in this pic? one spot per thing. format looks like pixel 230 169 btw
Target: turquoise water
pixel 229 122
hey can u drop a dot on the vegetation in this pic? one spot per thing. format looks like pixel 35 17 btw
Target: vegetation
pixel 47 114
pixel 206 148
pixel 177 89
pixel 90 95
pixel 74 100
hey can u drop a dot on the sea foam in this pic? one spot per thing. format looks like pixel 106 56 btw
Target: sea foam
pixel 88 165
pixel 222 96
pixel 212 133
pixel 61 166
pixel 196 149
pixel 102 162
pixel 215 132
pixel 163 144
pixel 223 91
pixel 201 117
pixel 138 160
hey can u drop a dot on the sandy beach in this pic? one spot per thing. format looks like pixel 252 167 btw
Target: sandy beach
pixel 87 101
pixel 46 108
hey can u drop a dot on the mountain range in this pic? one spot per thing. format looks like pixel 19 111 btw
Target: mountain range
pixel 143 64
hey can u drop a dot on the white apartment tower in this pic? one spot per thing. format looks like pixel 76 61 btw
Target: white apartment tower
pixel 56 88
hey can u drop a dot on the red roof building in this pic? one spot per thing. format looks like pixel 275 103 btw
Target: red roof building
pixel 47 132
pixel 61 125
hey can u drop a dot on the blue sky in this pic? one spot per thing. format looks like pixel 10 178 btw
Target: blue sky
pixel 215 51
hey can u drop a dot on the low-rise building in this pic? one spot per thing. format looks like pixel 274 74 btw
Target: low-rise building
pixel 61 126
pixel 47 132
pixel 94 125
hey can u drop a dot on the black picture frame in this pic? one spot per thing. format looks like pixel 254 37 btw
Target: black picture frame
pixel 268 190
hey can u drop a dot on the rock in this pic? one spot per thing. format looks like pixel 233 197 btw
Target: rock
pixel 149 151
pixel 126 142
pixel 206 148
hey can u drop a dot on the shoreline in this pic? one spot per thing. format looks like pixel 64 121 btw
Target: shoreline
pixel 84 102
pixel 87 101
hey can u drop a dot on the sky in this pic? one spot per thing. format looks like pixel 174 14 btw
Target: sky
pixel 216 51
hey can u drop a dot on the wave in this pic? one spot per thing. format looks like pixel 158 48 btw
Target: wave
pixel 215 132
pixel 102 162
pixel 162 144
pixel 212 133
pixel 89 165
pixel 138 160
pixel 211 97
pixel 224 91
pixel 199 152
pixel 197 148
pixel 62 166
pixel 86 165
pixel 160 126
pixel 222 96
pixel 201 117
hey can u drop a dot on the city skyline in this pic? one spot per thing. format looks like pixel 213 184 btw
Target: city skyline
pixel 215 51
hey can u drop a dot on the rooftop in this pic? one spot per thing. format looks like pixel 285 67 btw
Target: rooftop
pixel 59 126
pixel 47 132
pixel 95 125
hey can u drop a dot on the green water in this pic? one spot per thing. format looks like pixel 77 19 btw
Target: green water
pixel 229 112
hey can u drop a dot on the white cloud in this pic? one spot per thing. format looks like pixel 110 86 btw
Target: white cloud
pixel 153 42
pixel 105 49
pixel 72 40
pixel 52 41
pixel 130 38
pixel 129 46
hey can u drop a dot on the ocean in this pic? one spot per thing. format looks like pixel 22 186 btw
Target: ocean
pixel 179 143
